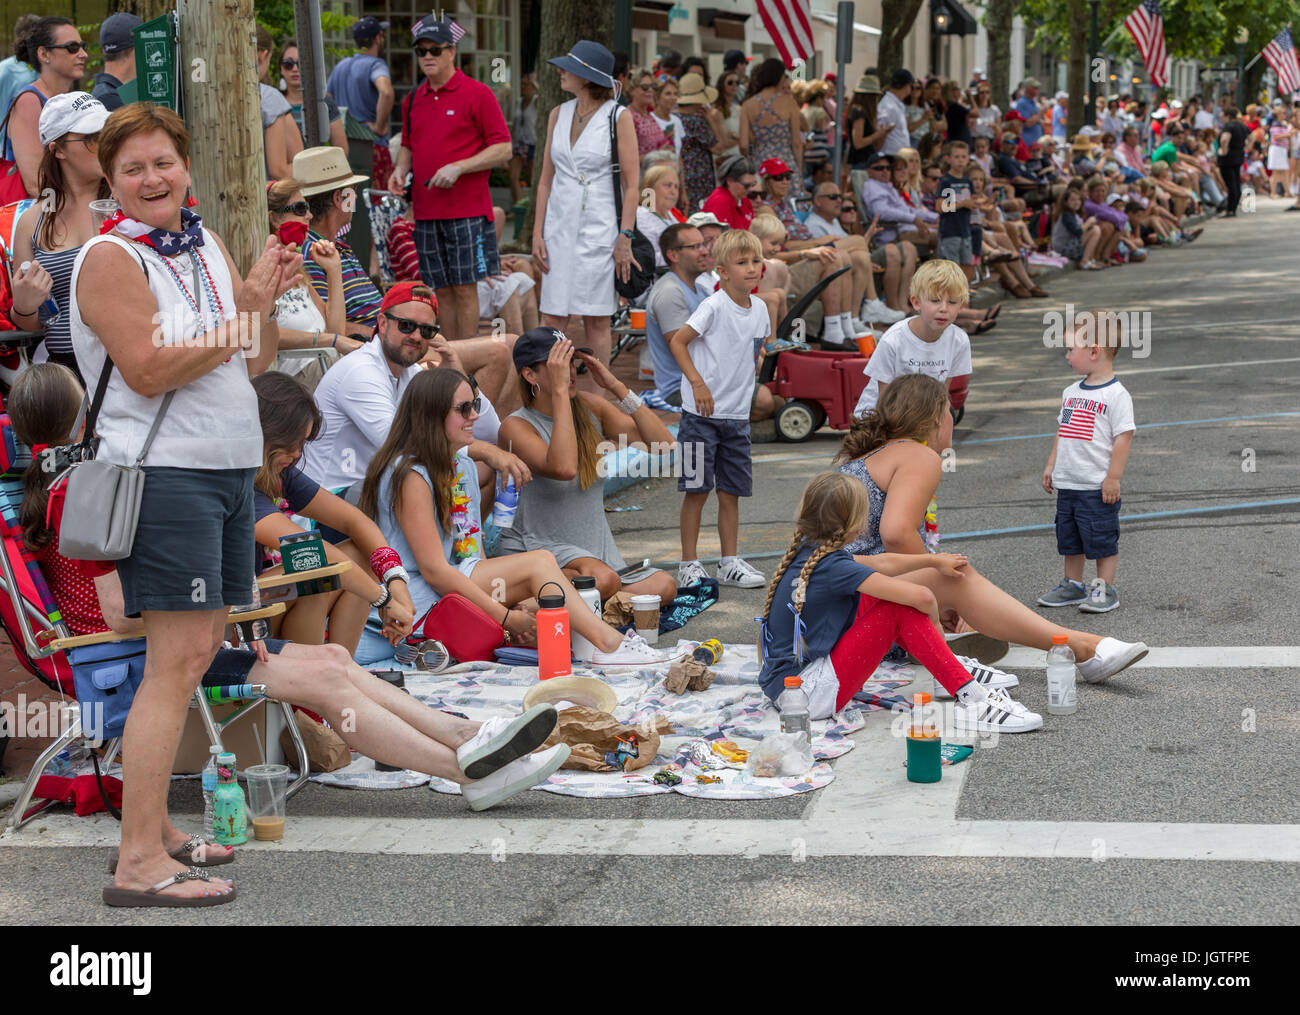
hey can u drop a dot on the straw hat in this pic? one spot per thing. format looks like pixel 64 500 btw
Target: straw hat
pixel 1082 143
pixel 589 691
pixel 692 91
pixel 323 169
pixel 868 84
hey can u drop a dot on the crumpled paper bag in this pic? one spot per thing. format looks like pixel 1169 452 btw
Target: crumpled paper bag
pixel 326 751
pixel 688 674
pixel 591 734
pixel 618 609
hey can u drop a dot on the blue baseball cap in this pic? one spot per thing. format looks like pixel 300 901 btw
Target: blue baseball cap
pixel 534 346
pixel 590 61
pixel 368 28
pixel 430 30
pixel 115 33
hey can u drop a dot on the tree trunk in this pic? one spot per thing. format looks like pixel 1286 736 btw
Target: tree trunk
pixel 1076 75
pixel 564 22
pixel 223 112
pixel 998 21
pixel 896 20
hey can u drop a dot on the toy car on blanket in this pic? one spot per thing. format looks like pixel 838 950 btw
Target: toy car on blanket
pixel 824 387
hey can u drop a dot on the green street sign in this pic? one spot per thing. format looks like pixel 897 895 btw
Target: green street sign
pixel 155 61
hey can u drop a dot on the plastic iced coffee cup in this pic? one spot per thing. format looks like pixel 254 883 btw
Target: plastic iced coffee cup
pixel 101 210
pixel 645 613
pixel 268 788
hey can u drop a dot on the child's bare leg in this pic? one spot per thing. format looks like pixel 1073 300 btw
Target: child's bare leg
pixel 1074 567
pixel 728 523
pixel 1106 568
pixel 692 511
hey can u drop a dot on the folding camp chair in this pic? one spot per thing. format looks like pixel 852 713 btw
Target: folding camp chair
pixel 383 208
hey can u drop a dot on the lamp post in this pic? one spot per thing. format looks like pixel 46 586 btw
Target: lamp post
pixel 1243 37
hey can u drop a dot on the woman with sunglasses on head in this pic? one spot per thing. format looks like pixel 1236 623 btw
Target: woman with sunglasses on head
pixel 291 88
pixel 289 420
pixel 48 239
pixel 306 320
pixel 420 488
pixel 54 48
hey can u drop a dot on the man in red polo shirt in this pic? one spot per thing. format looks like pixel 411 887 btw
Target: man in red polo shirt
pixel 731 202
pixel 453 136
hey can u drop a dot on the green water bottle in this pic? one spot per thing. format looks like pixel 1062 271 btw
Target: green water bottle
pixel 924 757
pixel 229 811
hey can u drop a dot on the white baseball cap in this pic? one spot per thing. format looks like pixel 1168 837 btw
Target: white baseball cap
pixel 1062 95
pixel 71 111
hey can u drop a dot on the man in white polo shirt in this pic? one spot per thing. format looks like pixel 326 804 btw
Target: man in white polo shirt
pixel 891 110
pixel 358 395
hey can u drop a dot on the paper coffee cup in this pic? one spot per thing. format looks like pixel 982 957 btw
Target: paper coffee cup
pixel 645 611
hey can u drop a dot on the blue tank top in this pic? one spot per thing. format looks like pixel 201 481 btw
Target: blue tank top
pixel 9 145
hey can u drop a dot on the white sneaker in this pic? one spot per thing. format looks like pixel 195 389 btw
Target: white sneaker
pixel 861 328
pixel 516 777
pixel 876 310
pixel 500 741
pixel 1112 656
pixel 689 572
pixel 995 713
pixel 739 574
pixel 987 676
pixel 632 652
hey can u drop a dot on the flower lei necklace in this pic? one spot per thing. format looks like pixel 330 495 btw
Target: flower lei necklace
pixel 466 538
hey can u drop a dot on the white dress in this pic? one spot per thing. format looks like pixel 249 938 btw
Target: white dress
pixel 580 224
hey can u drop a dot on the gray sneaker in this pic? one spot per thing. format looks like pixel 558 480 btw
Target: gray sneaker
pixel 1065 594
pixel 1102 599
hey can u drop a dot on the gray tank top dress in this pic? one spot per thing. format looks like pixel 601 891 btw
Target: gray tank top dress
pixel 869 543
pixel 560 516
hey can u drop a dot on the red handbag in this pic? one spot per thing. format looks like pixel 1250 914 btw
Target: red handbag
pixel 467 633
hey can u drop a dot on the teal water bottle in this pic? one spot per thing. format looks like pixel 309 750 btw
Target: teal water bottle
pixel 229 811
pixel 924 757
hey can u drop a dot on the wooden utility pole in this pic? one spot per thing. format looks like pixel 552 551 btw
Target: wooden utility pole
pixel 218 72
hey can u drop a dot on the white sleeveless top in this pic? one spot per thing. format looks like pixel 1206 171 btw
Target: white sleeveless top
pixel 212 422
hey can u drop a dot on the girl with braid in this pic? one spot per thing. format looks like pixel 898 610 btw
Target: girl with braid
pixel 830 616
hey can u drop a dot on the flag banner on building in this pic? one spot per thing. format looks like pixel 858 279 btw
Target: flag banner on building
pixel 789 25
pixel 1281 56
pixel 1148 30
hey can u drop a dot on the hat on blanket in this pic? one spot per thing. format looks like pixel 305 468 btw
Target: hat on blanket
pixel 589 691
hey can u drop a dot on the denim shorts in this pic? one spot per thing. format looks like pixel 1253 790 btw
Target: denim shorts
pixel 233 665
pixel 194 546
pixel 956 248
pixel 1085 525
pixel 456 251
pixel 714 452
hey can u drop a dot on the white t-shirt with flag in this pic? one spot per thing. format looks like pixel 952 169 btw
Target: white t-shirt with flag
pixel 900 351
pixel 1091 417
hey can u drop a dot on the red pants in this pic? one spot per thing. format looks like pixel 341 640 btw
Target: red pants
pixel 381 167
pixel 880 624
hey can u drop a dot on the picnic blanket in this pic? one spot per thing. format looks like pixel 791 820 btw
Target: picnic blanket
pixel 733 708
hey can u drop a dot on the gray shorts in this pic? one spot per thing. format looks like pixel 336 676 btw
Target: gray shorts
pixel 714 452
pixel 956 248
pixel 194 546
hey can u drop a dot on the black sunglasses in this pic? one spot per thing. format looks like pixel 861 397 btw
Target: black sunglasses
pixel 406 326
pixel 780 176
pixel 435 51
pixel 297 208
pixel 465 408
pixel 90 140
pixel 289 64
pixel 72 47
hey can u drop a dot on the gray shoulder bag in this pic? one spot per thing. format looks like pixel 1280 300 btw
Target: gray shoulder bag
pixel 102 502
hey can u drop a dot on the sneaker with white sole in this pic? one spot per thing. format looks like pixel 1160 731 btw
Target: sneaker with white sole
pixel 1112 655
pixel 633 651
pixel 739 574
pixel 995 713
pixel 1068 593
pixel 500 741
pixel 689 572
pixel 876 310
pixel 516 777
pixel 1102 598
pixel 986 676
pixel 861 328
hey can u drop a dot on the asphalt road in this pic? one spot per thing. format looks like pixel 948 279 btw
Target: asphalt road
pixel 1159 746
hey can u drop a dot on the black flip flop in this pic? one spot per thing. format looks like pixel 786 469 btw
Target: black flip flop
pixel 992 313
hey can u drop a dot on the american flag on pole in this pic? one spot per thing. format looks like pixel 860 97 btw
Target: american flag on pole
pixel 1148 30
pixel 1281 56
pixel 789 25
pixel 1077 423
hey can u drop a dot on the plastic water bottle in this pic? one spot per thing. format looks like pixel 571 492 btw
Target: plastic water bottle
pixel 1061 696
pixel 507 500
pixel 208 779
pixel 795 716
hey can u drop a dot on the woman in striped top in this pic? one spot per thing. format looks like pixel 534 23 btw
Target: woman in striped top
pixel 52 237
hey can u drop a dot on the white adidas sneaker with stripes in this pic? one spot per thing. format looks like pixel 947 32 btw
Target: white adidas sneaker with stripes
pixel 995 713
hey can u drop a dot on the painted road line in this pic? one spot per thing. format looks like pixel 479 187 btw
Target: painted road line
pixel 1070 378
pixel 1141 426
pixel 1181 657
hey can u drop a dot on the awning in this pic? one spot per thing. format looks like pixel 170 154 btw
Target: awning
pixel 831 19
pixel 959 19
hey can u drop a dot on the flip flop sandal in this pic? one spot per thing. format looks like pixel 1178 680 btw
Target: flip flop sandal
pixel 992 313
pixel 151 897
pixel 186 855
pixel 983 326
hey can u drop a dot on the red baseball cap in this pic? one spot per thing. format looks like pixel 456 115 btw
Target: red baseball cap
pixel 773 167
pixel 409 292
pixel 1013 115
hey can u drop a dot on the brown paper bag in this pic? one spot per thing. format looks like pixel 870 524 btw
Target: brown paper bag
pixel 618 609
pixel 591 734
pixel 326 751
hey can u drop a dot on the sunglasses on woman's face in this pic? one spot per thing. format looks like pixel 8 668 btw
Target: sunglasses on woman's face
pixel 406 326
pixel 434 51
pixel 297 208
pixel 72 47
pixel 289 64
pixel 780 177
pixel 465 408
pixel 90 140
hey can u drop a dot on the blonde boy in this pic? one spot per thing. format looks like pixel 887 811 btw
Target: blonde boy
pixel 931 342
pixel 1087 462
pixel 716 351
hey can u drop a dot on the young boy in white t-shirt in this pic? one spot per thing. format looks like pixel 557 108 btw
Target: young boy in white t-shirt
pixel 716 350
pixel 930 343
pixel 1087 462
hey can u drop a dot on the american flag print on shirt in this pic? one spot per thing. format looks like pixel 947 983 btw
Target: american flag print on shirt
pixel 1079 418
